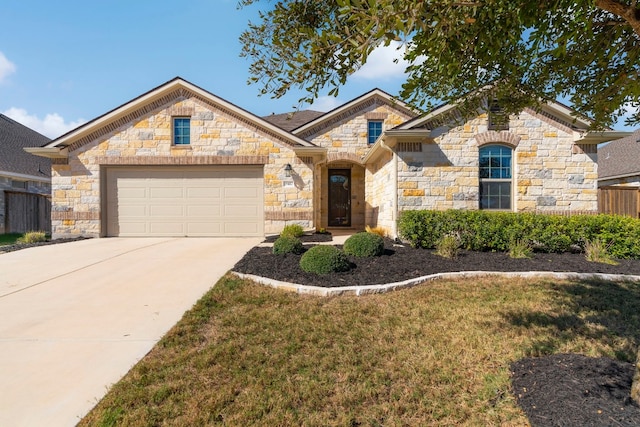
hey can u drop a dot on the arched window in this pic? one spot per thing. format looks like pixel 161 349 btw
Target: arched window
pixel 495 177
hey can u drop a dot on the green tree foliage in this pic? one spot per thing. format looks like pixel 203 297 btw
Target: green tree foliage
pixel 520 53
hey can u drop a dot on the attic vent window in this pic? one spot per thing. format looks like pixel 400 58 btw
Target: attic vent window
pixel 498 119
pixel 410 147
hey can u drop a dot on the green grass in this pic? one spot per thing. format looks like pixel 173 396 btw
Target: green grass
pixel 9 238
pixel 436 354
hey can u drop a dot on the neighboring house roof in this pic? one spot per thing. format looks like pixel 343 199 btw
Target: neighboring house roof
pixel 293 120
pixel 620 158
pixel 373 97
pixel 158 98
pixel 14 137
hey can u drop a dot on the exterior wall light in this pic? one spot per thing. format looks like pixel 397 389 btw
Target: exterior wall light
pixel 287 170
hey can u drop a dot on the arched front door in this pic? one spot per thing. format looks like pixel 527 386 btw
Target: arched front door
pixel 339 197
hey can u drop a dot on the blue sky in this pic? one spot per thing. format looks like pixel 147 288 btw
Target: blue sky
pixel 63 63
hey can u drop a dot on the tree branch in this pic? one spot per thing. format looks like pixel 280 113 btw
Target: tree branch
pixel 629 13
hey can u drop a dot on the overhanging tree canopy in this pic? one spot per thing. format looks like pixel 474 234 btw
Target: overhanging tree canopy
pixel 520 53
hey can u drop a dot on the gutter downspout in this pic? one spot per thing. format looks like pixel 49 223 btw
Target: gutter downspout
pixel 394 183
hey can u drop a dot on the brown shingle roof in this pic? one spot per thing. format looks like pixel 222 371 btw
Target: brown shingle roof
pixel 13 138
pixel 620 158
pixel 291 121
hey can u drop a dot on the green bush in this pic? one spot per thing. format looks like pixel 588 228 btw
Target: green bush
pixel 33 237
pixel 287 245
pixel 448 246
pixel 496 231
pixel 324 259
pixel 292 230
pixel 364 245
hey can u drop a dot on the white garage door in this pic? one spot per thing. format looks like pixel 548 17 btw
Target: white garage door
pixel 185 201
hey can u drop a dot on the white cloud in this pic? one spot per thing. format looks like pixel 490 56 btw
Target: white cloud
pixel 53 125
pixel 381 66
pixel 326 103
pixel 6 67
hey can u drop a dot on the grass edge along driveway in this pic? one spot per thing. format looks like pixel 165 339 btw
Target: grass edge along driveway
pixel 436 354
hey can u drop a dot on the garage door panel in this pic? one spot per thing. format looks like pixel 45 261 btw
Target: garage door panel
pixel 184 201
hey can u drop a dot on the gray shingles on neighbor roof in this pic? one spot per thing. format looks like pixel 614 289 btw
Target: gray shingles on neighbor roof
pixel 291 121
pixel 13 138
pixel 620 158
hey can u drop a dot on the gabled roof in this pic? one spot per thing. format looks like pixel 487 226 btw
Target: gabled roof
pixel 294 119
pixel 14 137
pixel 554 113
pixel 620 158
pixel 156 98
pixel 373 97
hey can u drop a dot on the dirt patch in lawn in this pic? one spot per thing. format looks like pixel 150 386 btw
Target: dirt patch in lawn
pixel 555 390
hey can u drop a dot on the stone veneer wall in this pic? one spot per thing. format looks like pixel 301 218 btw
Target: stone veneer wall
pixel 346 144
pixel 380 193
pixel 216 138
pixel 550 172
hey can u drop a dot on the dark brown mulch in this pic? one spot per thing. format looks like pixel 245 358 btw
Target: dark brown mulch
pixel 575 390
pixel 306 238
pixel 402 262
pixel 18 246
pixel 558 390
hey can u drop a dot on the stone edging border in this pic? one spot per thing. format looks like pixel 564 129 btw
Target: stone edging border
pixel 377 289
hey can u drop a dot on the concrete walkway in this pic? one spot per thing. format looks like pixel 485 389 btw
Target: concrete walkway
pixel 75 317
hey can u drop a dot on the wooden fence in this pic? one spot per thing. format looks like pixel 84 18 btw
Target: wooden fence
pixel 27 212
pixel 619 200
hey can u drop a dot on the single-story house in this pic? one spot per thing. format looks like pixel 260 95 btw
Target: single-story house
pixel 180 161
pixel 25 180
pixel 619 162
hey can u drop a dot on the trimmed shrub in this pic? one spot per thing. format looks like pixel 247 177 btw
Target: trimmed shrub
pixel 287 245
pixel 324 259
pixel 292 230
pixel 448 246
pixel 496 231
pixel 33 237
pixel 364 245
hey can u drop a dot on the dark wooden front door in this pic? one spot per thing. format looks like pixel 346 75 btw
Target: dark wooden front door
pixel 340 197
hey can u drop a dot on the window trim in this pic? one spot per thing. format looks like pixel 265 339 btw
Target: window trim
pixel 174 135
pixel 369 123
pixel 489 180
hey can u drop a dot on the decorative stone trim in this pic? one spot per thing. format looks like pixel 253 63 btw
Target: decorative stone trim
pixel 288 216
pixel 183 160
pixel 502 137
pixel 181 111
pixel 378 289
pixel 340 157
pixel 551 120
pixel 374 101
pixel 376 116
pixel 73 215
pixel 134 115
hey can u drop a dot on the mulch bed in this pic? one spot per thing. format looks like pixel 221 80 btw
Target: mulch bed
pixel 18 246
pixel 402 262
pixel 575 390
pixel 557 390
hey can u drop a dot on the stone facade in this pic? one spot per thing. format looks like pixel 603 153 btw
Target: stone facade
pixel 216 138
pixel 414 165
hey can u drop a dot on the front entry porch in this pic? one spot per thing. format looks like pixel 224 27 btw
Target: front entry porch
pixel 341 193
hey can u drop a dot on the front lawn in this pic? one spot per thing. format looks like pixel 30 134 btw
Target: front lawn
pixel 437 354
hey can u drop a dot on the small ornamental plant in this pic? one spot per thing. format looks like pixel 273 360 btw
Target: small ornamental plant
pixel 520 249
pixel 292 230
pixel 287 245
pixel 448 246
pixel 33 237
pixel 376 230
pixel 324 259
pixel 597 251
pixel 364 245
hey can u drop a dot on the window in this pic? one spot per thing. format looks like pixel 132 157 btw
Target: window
pixel 374 131
pixel 495 177
pixel 181 131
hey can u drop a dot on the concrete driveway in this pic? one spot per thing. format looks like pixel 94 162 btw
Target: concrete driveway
pixel 75 317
